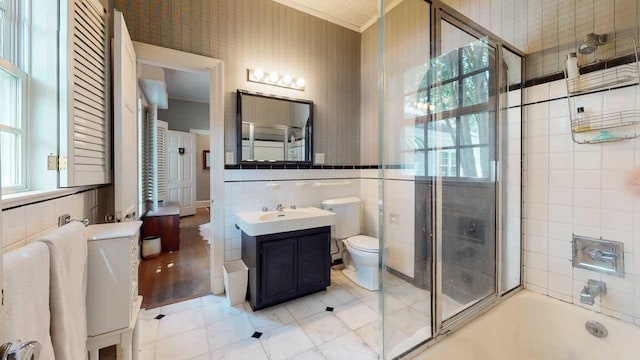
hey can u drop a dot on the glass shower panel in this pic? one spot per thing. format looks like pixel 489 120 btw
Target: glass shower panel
pixel 462 163
pixel 511 100
pixel 405 225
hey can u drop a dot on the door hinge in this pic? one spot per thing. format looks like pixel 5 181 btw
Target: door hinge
pixel 57 163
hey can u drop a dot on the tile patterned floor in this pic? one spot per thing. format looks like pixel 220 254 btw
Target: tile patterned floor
pixel 340 323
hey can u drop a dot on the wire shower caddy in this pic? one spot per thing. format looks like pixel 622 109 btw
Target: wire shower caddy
pixel 583 128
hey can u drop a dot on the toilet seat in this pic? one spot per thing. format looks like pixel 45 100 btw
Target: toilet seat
pixel 364 243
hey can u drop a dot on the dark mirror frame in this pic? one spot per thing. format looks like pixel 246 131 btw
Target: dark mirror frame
pixel 308 129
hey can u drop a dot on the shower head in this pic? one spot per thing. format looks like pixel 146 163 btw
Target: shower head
pixel 591 43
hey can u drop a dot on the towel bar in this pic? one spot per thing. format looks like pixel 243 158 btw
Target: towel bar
pixel 66 218
pixel 332 183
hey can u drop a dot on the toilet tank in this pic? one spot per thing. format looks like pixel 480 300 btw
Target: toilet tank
pixel 347 211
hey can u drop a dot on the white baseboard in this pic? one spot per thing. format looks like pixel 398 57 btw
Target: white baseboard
pixel 202 203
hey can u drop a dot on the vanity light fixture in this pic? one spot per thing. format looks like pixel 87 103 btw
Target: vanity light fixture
pixel 275 79
pixel 258 74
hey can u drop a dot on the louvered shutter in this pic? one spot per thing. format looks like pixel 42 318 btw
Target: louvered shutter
pixel 84 85
pixel 163 194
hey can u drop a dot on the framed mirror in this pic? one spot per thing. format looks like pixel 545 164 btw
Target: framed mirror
pixel 273 129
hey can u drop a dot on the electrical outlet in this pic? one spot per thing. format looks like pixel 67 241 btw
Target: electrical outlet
pixel 229 158
pixel 52 162
pixel 319 158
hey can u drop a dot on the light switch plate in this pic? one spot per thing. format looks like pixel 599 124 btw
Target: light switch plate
pixel 319 158
pixel 229 158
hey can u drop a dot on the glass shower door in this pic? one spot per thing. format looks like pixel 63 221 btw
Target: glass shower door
pixel 461 160
pixel 450 144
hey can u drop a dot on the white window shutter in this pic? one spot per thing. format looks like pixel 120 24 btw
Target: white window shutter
pixel 84 103
pixel 163 194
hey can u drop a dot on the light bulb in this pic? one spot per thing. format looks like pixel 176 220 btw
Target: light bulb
pixel 287 79
pixel 300 82
pixel 273 77
pixel 258 74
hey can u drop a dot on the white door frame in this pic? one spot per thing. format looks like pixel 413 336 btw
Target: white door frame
pixel 179 60
pixel 2 339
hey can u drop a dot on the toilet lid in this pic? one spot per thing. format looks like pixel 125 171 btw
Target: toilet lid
pixel 364 243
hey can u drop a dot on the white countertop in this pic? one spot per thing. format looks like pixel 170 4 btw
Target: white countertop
pixel 113 230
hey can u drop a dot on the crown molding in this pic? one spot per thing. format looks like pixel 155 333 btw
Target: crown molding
pixel 319 14
pixel 374 18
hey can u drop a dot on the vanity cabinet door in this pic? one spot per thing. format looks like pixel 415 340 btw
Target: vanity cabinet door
pixel 278 270
pixel 313 262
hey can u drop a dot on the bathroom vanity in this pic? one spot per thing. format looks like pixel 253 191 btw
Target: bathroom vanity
pixel 284 266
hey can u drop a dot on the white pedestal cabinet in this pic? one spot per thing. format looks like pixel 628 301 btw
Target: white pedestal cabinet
pixel 113 302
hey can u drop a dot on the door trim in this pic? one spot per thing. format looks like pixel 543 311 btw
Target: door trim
pixel 214 68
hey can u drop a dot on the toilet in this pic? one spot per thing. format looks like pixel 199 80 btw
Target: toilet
pixel 362 265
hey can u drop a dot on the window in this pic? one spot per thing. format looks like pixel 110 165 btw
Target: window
pixel 13 95
pixel 461 114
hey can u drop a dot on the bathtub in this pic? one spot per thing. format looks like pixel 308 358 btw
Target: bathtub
pixel 533 326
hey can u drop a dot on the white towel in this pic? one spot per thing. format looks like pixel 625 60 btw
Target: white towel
pixel 68 251
pixel 26 296
pixel 205 232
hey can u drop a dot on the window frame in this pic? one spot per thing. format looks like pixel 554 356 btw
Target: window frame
pixel 456 114
pixel 7 7
pixel 16 63
pixel 22 131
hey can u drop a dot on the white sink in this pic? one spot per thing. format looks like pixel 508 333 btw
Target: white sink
pixel 256 223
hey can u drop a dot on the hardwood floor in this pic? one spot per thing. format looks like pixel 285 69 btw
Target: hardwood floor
pixel 178 275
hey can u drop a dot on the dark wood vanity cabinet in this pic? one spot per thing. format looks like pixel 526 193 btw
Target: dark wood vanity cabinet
pixel 287 265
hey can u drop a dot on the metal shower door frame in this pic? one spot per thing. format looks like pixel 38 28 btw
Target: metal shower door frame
pixel 442 12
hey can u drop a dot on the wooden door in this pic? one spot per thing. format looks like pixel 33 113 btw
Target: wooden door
pixel 125 138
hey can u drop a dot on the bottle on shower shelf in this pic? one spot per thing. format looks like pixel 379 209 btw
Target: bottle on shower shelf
pixel 581 124
pixel 571 64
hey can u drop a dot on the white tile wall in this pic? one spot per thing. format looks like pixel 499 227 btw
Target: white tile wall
pixel 571 188
pixel 369 194
pixel 399 214
pixel 399 192
pixel 26 223
pixel 246 190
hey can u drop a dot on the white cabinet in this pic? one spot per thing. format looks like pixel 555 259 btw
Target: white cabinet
pixel 112 284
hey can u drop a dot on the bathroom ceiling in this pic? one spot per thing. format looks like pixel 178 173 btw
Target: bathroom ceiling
pixel 356 15
pixel 183 85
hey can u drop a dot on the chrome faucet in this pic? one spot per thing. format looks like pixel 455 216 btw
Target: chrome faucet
pixel 280 207
pixel 20 350
pixel 592 290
